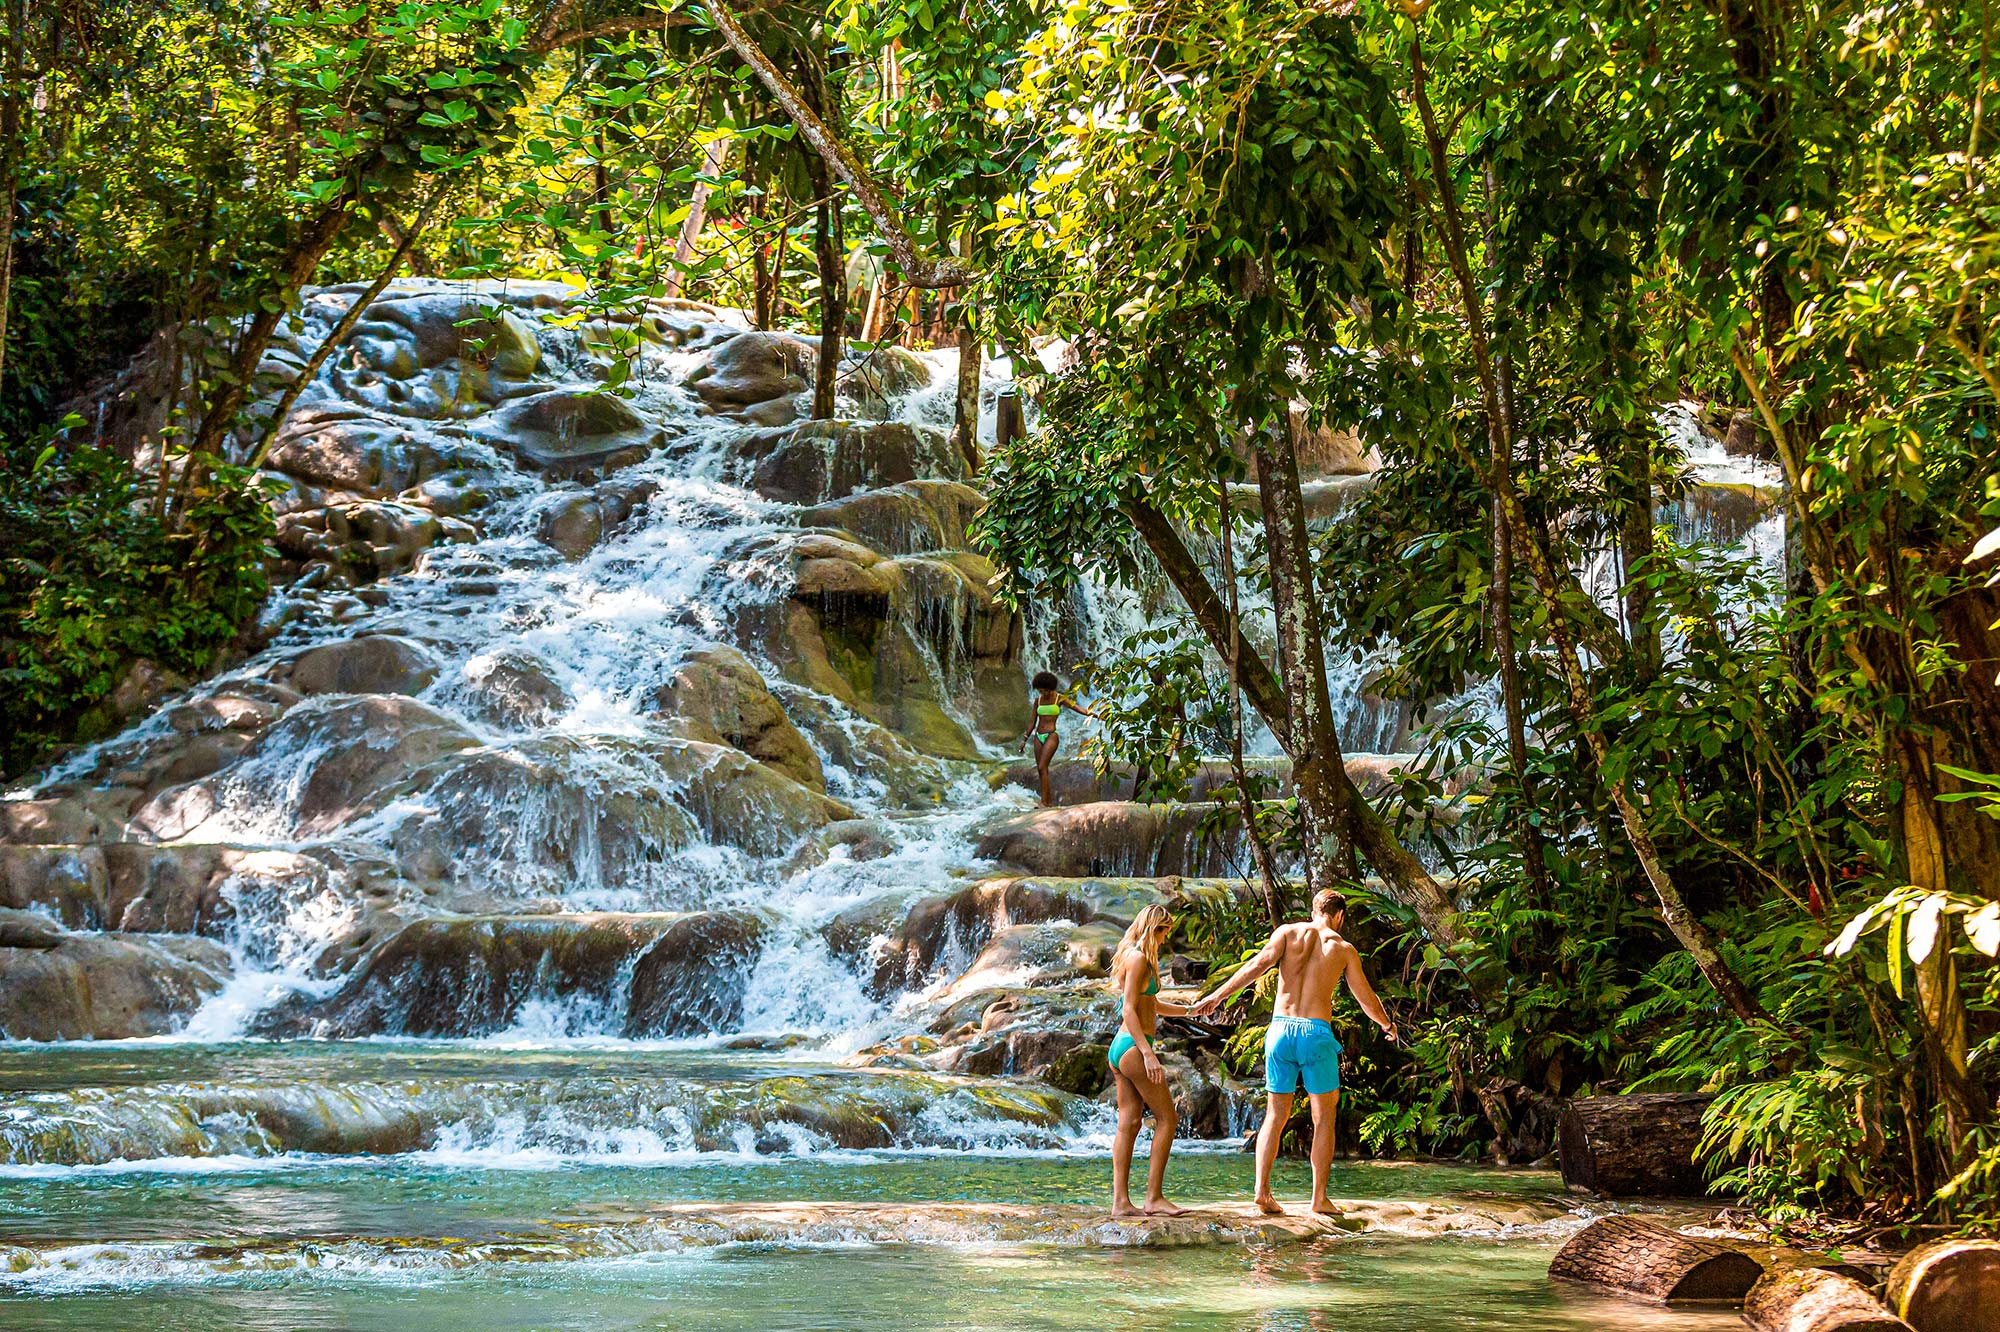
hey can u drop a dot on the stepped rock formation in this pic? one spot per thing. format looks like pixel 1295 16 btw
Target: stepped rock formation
pixel 579 715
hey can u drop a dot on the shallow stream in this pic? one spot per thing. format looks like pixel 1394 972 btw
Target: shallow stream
pixel 515 1231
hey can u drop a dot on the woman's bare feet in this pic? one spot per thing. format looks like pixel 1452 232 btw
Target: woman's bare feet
pixel 1268 1205
pixel 1161 1207
pixel 1123 1210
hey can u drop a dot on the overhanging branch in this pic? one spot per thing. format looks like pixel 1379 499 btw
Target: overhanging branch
pixel 919 269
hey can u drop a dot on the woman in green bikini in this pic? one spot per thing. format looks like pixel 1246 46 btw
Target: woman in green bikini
pixel 1135 1065
pixel 1049 703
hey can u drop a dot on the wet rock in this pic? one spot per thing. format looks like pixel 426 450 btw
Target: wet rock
pixel 554 813
pixel 692 979
pixel 571 433
pixel 455 494
pixel 862 758
pixel 962 924
pixel 69 883
pixel 28 929
pixel 827 460
pixel 1745 438
pixel 862 839
pixel 106 987
pixel 513 688
pixel 88 816
pixel 547 814
pixel 757 377
pixel 245 707
pixel 375 664
pixel 572 525
pixel 720 698
pixel 912 518
pixel 339 755
pixel 1114 837
pixel 471 976
pixel 1081 1070
pixel 188 889
pixel 367 539
pixel 140 690
pixel 347 449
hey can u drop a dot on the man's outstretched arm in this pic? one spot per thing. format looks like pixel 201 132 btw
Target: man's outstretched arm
pixel 1364 994
pixel 1247 974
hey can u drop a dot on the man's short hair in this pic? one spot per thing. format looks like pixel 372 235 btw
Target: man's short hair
pixel 1329 902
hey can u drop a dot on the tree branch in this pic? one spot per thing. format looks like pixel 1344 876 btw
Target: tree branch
pixel 919 269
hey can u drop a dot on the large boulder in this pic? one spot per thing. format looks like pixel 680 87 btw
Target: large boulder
pixel 513 688
pixel 330 760
pixel 570 433
pixel 69 883
pixel 719 697
pixel 195 888
pixel 374 664
pixel 827 460
pixel 106 987
pixel 956 927
pixel 347 449
pixel 636 973
pixel 559 813
pixel 1116 837
pixel 366 539
pixel 758 378
pixel 915 517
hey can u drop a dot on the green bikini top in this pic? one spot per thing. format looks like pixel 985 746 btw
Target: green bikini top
pixel 1047 709
pixel 1152 987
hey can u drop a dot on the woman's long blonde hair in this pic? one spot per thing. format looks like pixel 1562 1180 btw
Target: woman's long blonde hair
pixel 1142 939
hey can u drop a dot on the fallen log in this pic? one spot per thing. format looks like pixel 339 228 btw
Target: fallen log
pixel 1633 1146
pixel 1950 1285
pixel 1646 1260
pixel 1811 1299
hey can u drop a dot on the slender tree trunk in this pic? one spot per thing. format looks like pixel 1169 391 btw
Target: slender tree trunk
pixel 1635 550
pixel 1938 997
pixel 394 231
pixel 823 143
pixel 1260 847
pixel 1688 928
pixel 1371 835
pixel 234 383
pixel 763 282
pixel 965 412
pixel 712 158
pixel 338 334
pixel 829 251
pixel 1301 657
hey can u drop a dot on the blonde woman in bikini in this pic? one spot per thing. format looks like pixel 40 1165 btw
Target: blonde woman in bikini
pixel 1135 1064
pixel 1049 703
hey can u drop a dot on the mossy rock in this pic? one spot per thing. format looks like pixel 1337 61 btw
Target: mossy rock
pixel 1081 1072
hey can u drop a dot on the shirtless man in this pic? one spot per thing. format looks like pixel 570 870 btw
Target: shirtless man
pixel 1312 960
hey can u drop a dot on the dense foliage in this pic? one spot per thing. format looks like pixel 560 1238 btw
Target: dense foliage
pixel 1710 823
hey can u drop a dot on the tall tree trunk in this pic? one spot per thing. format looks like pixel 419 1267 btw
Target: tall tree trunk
pixel 1260 846
pixel 1408 881
pixel 965 411
pixel 1301 656
pixel 829 249
pixel 712 157
pixel 763 282
pixel 1635 548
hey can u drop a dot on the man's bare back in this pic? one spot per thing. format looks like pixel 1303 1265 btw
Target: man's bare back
pixel 1312 961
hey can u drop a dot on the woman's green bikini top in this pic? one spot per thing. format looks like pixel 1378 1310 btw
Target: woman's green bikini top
pixel 1152 987
pixel 1047 709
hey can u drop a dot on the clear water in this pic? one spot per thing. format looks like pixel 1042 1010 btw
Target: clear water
pixel 443 1240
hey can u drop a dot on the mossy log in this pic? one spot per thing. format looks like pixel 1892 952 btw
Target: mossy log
pixel 1951 1285
pixel 1633 1146
pixel 1809 1299
pixel 1648 1261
